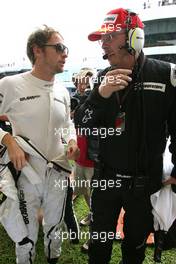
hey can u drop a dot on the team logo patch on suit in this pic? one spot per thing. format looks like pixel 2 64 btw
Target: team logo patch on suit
pixel 88 115
pixel 160 87
pixel 32 97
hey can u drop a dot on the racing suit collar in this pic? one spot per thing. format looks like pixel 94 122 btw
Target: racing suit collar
pixel 47 85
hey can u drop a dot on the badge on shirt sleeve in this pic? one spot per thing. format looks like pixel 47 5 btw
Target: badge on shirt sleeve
pixel 120 121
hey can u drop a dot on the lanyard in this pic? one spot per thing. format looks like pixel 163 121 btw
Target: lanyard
pixel 122 99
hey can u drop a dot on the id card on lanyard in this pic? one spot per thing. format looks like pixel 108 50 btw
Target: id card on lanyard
pixel 120 121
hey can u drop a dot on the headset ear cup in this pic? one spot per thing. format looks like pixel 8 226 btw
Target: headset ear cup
pixel 136 39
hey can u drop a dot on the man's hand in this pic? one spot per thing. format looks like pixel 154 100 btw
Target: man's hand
pixel 114 81
pixel 17 156
pixel 72 150
pixel 171 180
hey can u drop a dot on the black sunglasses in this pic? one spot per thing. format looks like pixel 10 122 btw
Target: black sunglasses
pixel 59 47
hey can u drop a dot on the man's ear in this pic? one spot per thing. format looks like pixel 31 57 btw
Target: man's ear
pixel 37 51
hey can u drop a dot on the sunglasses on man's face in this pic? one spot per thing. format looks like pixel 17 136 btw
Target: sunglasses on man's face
pixel 59 47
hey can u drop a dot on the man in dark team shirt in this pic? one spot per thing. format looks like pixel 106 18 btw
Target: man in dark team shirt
pixel 133 101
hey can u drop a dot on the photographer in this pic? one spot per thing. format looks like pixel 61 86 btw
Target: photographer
pixel 84 165
pixel 137 95
pixel 82 83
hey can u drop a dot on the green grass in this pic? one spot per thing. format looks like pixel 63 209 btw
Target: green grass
pixel 71 254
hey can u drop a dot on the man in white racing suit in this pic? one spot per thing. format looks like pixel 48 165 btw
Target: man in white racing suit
pixel 37 107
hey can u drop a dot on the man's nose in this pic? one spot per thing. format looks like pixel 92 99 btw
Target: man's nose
pixel 65 55
pixel 104 44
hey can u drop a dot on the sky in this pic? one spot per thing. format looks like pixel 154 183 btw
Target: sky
pixel 74 20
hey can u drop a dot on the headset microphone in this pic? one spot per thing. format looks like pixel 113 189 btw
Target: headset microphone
pixel 122 47
pixel 105 56
pixel 127 47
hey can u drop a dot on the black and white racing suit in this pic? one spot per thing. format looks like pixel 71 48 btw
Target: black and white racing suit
pixel 39 110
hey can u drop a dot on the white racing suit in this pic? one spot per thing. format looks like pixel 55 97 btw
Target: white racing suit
pixel 38 111
pixel 10 215
pixel 164 207
pixel 164 201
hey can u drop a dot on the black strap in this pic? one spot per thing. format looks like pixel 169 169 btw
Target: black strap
pixel 3 197
pixel 55 165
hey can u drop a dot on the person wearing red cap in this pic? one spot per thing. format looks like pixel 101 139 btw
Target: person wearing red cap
pixel 134 101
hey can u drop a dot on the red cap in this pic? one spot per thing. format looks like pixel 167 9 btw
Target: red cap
pixel 115 21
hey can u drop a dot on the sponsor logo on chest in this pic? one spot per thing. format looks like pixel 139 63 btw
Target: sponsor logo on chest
pixel 158 87
pixel 32 97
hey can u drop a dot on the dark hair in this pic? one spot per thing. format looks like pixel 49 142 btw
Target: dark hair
pixel 39 37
